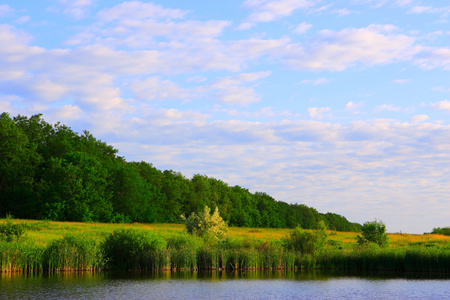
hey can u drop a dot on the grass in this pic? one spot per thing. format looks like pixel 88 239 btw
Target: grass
pixel 58 246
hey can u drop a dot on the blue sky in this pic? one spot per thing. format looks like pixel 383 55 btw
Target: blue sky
pixel 341 105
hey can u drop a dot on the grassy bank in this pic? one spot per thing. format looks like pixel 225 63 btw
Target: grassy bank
pixel 57 246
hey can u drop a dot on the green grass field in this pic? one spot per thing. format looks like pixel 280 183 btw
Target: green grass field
pixel 43 232
pixel 56 246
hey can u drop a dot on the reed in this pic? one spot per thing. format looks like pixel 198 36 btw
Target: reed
pixel 412 259
pixel 73 253
pixel 20 257
pixel 183 251
pixel 134 249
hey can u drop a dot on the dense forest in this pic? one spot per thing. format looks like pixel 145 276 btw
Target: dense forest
pixel 51 172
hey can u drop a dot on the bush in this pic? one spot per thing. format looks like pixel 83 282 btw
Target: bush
pixel 206 225
pixel 10 231
pixel 132 249
pixel 307 241
pixel 373 232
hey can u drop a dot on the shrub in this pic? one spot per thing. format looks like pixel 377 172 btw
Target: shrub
pixel 10 231
pixel 206 225
pixel 307 241
pixel 373 232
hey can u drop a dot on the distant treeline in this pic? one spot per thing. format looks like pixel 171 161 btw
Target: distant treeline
pixel 443 230
pixel 51 172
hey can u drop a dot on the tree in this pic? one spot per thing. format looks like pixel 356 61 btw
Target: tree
pixel 205 224
pixel 19 162
pixel 76 189
pixel 373 232
pixel 443 230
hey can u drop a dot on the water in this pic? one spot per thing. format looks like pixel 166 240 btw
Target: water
pixel 221 285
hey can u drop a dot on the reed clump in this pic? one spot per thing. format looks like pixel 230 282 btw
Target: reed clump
pixel 413 259
pixel 73 253
pixel 134 249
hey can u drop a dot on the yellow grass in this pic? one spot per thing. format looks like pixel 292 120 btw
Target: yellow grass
pixel 43 232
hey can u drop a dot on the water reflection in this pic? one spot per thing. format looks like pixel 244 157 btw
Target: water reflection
pixel 275 284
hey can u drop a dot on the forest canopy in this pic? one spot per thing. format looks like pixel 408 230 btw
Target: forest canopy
pixel 51 172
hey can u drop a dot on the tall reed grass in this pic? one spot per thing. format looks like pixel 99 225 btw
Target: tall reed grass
pixel 412 259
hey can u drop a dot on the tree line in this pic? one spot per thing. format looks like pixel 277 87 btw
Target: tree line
pixel 51 172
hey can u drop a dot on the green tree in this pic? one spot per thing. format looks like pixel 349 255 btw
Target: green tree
pixel 76 189
pixel 19 163
pixel 443 230
pixel 373 232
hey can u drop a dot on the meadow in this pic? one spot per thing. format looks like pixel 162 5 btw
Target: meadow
pixel 62 246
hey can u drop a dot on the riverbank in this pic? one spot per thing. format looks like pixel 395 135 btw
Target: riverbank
pixel 62 246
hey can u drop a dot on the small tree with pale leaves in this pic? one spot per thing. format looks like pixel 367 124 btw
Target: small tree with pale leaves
pixel 205 224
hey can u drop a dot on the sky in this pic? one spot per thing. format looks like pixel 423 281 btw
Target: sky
pixel 340 105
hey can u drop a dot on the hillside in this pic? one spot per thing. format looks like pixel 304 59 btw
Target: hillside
pixel 51 172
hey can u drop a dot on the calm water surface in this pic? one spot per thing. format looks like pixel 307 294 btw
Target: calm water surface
pixel 221 285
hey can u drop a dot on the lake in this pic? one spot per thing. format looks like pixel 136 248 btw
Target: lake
pixel 222 285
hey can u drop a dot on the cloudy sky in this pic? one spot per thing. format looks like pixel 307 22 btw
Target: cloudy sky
pixel 341 105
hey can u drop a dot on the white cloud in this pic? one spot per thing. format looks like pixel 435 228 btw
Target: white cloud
pixel 419 118
pixel 316 81
pixel 401 81
pixel 442 105
pixel 380 3
pixel 441 89
pixel 232 91
pixel 428 9
pixel 350 105
pixel 403 2
pixel 434 58
pixel 75 8
pixel 342 12
pixel 197 79
pixel 302 28
pixel 135 10
pixel 265 112
pixel 390 107
pixel 318 112
pixel 267 10
pixel 46 89
pixel 23 20
pixel 339 50
pixel 154 88
pixel 5 9
pixel 67 112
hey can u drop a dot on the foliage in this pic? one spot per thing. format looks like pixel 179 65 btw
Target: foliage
pixel 307 241
pixel 443 231
pixel 373 232
pixel 10 231
pixel 206 225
